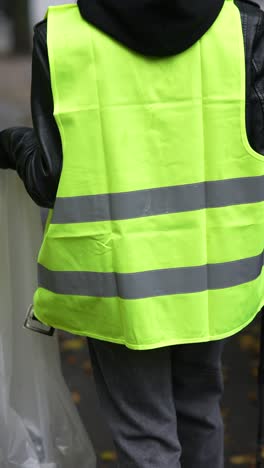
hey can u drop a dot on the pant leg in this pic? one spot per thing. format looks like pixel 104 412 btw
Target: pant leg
pixel 198 388
pixel 135 389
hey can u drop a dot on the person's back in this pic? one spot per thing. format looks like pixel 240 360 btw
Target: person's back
pixel 155 239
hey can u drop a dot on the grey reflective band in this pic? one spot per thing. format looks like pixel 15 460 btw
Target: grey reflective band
pixel 160 201
pixel 152 283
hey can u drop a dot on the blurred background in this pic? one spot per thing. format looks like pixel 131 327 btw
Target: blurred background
pixel 17 18
pixel 16 21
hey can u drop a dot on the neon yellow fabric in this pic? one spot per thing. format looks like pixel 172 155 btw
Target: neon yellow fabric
pixel 130 123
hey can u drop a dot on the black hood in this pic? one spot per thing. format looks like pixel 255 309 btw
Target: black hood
pixel 152 27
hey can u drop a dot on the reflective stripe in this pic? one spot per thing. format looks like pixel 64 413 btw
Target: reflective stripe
pixel 143 203
pixel 152 283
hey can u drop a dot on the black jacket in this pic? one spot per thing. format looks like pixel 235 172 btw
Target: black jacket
pixel 36 153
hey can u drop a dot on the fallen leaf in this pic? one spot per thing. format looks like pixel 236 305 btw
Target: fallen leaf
pixel 243 460
pixel 73 345
pixel 252 396
pixel 108 455
pixel 76 397
pixel 72 359
pixel 87 367
pixel 249 343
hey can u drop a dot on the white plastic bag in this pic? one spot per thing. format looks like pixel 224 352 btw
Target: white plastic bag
pixel 39 425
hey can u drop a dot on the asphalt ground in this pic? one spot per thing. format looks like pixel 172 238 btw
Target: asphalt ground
pixel 241 352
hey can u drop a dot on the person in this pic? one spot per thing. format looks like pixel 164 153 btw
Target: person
pixel 153 248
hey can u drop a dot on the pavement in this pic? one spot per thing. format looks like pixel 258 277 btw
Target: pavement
pixel 15 75
pixel 241 352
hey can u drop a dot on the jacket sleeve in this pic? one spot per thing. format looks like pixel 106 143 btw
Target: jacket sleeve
pixel 36 153
pixel 252 19
pixel 255 123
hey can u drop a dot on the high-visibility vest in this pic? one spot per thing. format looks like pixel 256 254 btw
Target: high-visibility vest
pixel 157 233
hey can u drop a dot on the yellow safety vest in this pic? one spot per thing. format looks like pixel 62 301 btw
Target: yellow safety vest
pixel 157 233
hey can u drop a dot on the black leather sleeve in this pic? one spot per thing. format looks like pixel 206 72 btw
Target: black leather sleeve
pixel 36 153
pixel 253 30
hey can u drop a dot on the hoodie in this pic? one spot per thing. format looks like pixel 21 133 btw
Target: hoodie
pixel 152 27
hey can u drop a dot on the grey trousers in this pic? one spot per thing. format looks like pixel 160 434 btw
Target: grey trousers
pixel 162 405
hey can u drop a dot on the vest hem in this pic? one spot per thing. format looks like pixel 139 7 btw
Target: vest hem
pixel 145 347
